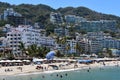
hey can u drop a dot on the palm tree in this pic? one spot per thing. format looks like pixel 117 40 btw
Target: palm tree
pixel 78 48
pixel 32 50
pixel 72 30
pixel 63 43
pixel 22 48
pixel 109 52
pixel 58 40
pixel 35 51
pixel 40 52
pixel 67 48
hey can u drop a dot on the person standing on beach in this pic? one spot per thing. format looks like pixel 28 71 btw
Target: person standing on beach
pixel 21 69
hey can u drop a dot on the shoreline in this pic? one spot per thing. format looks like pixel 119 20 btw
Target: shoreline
pixel 30 69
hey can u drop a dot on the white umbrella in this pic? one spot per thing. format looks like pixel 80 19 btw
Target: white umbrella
pixel 18 61
pixel 26 60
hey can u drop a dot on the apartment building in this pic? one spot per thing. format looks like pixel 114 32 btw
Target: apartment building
pixel 111 43
pixel 74 19
pixel 14 39
pixel 96 26
pixel 28 36
pixel 56 18
pixel 72 44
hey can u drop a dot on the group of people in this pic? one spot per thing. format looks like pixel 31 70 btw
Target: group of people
pixel 8 70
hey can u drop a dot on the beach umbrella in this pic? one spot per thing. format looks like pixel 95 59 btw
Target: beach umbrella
pixel 37 60
pixel 1 61
pixel 26 60
pixel 8 61
pixel 18 61
pixel 50 55
pixel 14 60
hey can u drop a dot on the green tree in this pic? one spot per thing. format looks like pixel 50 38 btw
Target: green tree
pixel 68 48
pixel 22 48
pixel 34 51
pixel 109 53
pixel 78 48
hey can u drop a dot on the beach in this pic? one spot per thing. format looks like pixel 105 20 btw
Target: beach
pixel 29 69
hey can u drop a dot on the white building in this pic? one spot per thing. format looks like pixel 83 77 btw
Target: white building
pixel 56 18
pixel 47 41
pixel 28 36
pixel 74 19
pixel 10 12
pixel 14 39
pixel 84 43
pixel 95 45
pixel 111 43
pixel 72 44
pixel 61 31
pixel 97 35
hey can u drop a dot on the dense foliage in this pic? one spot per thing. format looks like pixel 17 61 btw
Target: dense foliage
pixel 40 13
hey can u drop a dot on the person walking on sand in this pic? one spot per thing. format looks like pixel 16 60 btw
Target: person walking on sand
pixel 21 69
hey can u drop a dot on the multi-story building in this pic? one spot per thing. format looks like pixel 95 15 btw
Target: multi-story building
pixel 97 35
pixel 61 32
pixel 14 39
pixel 47 41
pixel 84 44
pixel 74 19
pixel 28 36
pixel 111 43
pixel 95 26
pixel 72 44
pixel 69 43
pixel 56 18
pixel 10 12
pixel 92 41
pixel 12 17
pixel 95 45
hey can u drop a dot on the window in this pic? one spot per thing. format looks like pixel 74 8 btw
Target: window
pixel 19 38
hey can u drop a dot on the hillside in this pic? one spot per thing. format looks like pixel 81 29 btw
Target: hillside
pixel 40 13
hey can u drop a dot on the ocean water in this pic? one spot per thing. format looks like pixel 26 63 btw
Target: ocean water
pixel 104 73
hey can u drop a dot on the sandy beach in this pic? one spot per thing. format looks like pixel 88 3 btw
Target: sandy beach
pixel 29 69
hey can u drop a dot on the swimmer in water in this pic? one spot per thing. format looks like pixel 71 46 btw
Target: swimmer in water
pixel 66 74
pixel 88 71
pixel 43 76
pixel 61 76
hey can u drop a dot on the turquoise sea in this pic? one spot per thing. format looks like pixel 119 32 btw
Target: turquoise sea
pixel 104 73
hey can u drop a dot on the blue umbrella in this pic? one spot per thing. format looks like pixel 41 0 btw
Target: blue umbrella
pixel 50 55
